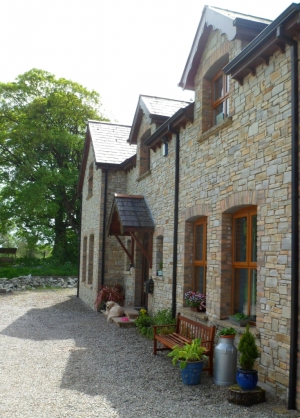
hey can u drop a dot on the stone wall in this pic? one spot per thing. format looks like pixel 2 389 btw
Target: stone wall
pixel 243 161
pixel 246 162
pixel 90 225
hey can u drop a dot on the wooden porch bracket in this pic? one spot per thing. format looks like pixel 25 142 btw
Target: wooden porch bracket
pixel 130 256
pixel 148 256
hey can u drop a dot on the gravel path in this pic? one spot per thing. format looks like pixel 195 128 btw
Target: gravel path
pixel 60 359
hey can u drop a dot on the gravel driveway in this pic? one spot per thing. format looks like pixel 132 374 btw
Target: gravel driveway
pixel 61 359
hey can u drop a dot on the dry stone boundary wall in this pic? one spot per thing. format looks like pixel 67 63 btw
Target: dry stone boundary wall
pixel 33 282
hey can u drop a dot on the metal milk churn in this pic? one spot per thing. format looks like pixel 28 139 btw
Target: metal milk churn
pixel 225 364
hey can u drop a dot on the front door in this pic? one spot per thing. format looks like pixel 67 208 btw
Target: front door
pixel 145 271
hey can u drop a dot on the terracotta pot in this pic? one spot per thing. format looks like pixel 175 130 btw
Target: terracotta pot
pixel 195 309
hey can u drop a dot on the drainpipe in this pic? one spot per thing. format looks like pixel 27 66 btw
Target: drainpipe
pixel 79 246
pixel 175 239
pixel 103 227
pixel 295 217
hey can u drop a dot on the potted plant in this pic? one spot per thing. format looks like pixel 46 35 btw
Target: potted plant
pixel 225 356
pixel 190 358
pixel 227 333
pixel 196 301
pixel 114 293
pixel 246 376
pixel 160 271
pixel 239 319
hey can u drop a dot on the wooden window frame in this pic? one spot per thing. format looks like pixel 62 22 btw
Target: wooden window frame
pixel 247 212
pixel 223 99
pixel 200 263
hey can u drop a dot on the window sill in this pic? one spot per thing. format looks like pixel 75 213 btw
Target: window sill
pixel 201 315
pixel 155 277
pixel 215 129
pixel 147 173
pixel 219 323
pixel 225 323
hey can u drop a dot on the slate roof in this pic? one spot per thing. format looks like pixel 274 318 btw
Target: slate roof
pixel 156 109
pixel 110 142
pixel 162 107
pixel 233 15
pixel 234 25
pixel 133 213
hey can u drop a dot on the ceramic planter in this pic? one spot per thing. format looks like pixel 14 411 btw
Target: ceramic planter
pixel 191 374
pixel 247 379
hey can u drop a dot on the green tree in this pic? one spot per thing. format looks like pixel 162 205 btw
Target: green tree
pixel 42 128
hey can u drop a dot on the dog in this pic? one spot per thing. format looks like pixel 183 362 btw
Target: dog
pixel 113 310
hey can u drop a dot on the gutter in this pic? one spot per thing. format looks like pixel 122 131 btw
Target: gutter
pixel 176 202
pixel 185 112
pixel 295 218
pixel 261 38
pixel 103 226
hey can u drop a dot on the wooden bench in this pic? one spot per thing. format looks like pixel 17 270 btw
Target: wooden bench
pixel 186 330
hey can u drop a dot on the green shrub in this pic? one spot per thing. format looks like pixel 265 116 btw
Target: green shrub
pixel 145 322
pixel 248 349
pixel 163 317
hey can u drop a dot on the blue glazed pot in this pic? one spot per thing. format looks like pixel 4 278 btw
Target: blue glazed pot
pixel 191 374
pixel 247 379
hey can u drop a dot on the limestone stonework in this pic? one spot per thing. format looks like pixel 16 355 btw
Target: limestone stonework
pixel 244 161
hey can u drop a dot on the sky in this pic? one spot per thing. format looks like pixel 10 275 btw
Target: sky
pixel 120 48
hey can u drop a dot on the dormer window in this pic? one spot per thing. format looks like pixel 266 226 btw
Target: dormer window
pixel 220 99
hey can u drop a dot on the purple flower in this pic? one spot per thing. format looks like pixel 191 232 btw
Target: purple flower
pixel 195 299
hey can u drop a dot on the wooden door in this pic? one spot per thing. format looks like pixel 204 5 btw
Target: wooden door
pixel 145 271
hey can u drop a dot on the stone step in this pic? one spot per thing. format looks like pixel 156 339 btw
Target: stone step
pixel 130 315
pixel 123 322
pixel 130 312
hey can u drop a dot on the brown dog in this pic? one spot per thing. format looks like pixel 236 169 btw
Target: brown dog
pixel 113 310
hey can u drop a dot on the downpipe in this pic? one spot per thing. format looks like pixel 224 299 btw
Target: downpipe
pixel 103 227
pixel 295 218
pixel 79 247
pixel 176 201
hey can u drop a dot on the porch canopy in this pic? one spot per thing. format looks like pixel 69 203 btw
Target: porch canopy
pixel 130 215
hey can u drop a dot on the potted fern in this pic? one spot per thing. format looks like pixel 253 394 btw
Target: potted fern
pixel 246 376
pixel 190 358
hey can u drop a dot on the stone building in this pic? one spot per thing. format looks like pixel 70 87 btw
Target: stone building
pixel 217 181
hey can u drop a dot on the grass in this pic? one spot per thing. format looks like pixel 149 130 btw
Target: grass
pixel 39 268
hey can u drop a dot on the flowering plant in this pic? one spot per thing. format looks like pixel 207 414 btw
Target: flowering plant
pixel 195 300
